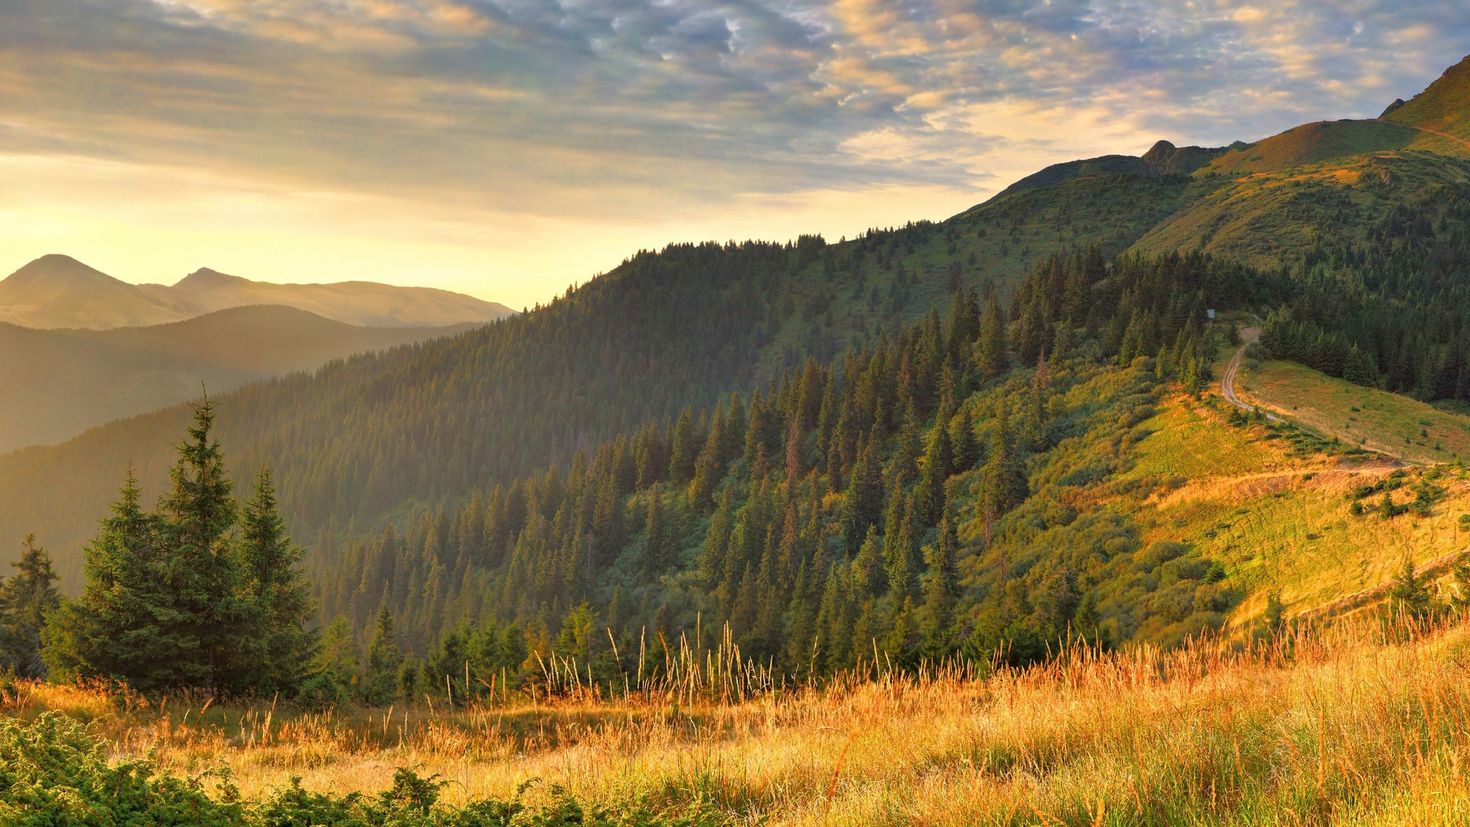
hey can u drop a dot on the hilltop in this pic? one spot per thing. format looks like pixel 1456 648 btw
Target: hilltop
pixel 59 291
pixel 350 302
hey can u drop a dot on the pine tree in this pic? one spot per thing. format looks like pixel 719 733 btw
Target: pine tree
pixel 930 496
pixel 867 567
pixel 380 676
pixel 333 679
pixel 991 355
pixel 1003 483
pixel 899 550
pixel 126 624
pixel 198 569
pixel 962 436
pixel 657 553
pixel 1409 593
pixel 275 588
pixel 26 599
pixel 864 503
pixel 941 592
pixel 801 629
pixel 682 449
pixel 709 465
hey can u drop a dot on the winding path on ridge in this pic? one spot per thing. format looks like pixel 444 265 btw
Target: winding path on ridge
pixel 1248 337
pixel 1428 131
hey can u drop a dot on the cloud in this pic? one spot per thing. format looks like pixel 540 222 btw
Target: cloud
pixel 625 112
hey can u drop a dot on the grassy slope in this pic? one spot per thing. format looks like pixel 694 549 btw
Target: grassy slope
pixel 1311 143
pixel 1330 727
pixel 1379 421
pixel 1281 522
pixel 1444 106
pixel 1269 217
pixel 1275 511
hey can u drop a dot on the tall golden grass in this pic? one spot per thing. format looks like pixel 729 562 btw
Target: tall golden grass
pixel 1354 723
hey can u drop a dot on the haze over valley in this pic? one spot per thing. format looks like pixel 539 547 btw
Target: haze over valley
pixel 79 348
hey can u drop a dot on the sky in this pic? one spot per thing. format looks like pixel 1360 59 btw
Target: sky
pixel 509 148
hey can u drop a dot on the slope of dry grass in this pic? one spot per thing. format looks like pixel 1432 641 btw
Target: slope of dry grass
pixel 1343 726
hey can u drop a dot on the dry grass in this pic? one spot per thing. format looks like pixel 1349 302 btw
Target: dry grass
pixel 1337 726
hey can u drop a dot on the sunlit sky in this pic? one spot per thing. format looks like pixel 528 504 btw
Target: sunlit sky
pixel 508 148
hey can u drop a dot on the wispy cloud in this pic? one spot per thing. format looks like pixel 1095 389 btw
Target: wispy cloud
pixel 620 113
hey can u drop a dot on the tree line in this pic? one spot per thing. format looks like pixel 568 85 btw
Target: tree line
pixel 1389 308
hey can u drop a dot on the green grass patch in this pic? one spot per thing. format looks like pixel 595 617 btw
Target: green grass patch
pixel 1371 419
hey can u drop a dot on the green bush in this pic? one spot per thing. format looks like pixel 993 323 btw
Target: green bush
pixel 52 772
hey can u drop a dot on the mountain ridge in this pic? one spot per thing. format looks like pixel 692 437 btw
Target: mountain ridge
pixel 71 380
pixel 56 291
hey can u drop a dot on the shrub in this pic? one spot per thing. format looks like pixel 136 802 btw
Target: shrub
pixel 53 772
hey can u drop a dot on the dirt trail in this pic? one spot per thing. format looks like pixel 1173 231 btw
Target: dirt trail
pixel 1248 337
pixel 1447 136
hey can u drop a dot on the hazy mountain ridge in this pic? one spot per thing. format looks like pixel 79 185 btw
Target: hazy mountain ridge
pixel 59 292
pixel 61 382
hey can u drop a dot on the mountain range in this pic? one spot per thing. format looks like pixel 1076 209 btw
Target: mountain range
pixel 62 382
pixel 1339 217
pixel 57 291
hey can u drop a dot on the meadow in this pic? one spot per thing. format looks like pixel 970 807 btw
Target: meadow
pixel 1355 723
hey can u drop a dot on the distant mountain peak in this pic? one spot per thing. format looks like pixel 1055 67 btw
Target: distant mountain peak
pixel 1397 102
pixel 59 268
pixel 206 277
pixel 1160 147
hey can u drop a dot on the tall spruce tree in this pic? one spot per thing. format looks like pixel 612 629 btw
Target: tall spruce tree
pixel 991 355
pixel 274 587
pixel 380 677
pixel 26 599
pixel 179 598
pixel 1003 482
pixel 126 624
pixel 941 592
pixel 199 567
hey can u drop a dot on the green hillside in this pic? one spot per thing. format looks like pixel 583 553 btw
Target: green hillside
pixel 1311 143
pixel 1443 107
pixel 1270 219
pixel 486 406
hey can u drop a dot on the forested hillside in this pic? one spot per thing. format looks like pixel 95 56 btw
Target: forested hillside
pixel 371 437
pixel 920 496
